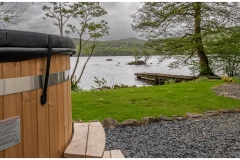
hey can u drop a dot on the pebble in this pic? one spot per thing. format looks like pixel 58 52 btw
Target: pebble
pixel 211 137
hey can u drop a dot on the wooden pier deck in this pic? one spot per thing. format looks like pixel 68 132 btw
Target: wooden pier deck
pixel 158 78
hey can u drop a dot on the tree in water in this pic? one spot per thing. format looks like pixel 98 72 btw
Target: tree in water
pixel 179 28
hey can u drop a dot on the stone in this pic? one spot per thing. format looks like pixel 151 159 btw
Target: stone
pixel 228 110
pixel 116 86
pixel 110 123
pixel 211 113
pixel 165 118
pixel 131 122
pixel 149 120
pixel 179 118
pixel 106 87
pixel 191 115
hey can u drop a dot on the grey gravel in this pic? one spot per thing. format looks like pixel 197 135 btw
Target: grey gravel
pixel 212 137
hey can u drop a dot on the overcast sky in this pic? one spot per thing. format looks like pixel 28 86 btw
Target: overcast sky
pixel 117 17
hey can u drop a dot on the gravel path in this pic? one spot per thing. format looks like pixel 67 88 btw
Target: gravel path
pixel 217 137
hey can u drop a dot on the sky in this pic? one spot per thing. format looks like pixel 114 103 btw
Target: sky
pixel 118 18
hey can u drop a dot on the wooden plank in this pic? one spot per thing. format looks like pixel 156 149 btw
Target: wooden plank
pixel 12 106
pixel 106 154
pixel 96 140
pixel 1 106
pixel 53 114
pixel 34 113
pixel 65 106
pixel 116 154
pixel 42 114
pixel 77 147
pixel 27 114
pixel 60 111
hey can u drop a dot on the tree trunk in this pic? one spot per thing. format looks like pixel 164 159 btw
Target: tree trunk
pixel 203 60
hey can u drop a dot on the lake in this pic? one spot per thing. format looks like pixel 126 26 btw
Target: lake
pixel 118 72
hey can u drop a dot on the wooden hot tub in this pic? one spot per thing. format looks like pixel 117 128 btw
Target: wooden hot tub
pixel 30 127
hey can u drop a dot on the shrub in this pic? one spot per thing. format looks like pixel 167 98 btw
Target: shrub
pixel 201 79
pixel 227 79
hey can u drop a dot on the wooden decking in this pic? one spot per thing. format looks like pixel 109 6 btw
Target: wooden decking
pixel 89 142
pixel 158 78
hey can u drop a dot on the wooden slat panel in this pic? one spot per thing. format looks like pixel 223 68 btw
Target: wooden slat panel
pixel 1 106
pixel 27 114
pixel 96 140
pixel 65 105
pixel 69 111
pixel 34 113
pixel 42 114
pixel 106 154
pixel 53 114
pixel 116 154
pixel 68 66
pixel 77 147
pixel 12 107
pixel 60 110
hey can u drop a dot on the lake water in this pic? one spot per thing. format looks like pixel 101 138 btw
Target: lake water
pixel 118 72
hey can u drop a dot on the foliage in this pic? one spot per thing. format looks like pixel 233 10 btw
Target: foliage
pixel 122 47
pixel 137 55
pixel 100 82
pixel 180 27
pixel 10 13
pixel 60 12
pixel 169 81
pixel 227 79
pixel 202 79
pixel 136 103
pixel 146 55
pixel 75 88
pixel 225 51
pixel 85 13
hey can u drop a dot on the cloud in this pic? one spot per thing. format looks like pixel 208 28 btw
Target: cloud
pixel 118 18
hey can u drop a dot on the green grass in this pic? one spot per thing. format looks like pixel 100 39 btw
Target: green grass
pixel 136 103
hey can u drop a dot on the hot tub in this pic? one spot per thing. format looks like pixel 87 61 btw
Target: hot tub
pixel 35 118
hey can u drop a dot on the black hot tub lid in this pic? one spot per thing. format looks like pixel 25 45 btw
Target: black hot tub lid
pixel 22 45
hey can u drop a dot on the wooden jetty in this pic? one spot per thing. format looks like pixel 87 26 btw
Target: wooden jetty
pixel 158 78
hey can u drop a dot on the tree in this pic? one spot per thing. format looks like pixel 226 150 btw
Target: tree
pixel 60 11
pixel 85 12
pixel 10 13
pixel 137 56
pixel 179 28
pixel 225 51
pixel 146 55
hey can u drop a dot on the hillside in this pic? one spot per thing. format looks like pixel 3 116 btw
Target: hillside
pixel 122 47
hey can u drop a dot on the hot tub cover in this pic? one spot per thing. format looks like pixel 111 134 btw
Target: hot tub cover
pixel 22 45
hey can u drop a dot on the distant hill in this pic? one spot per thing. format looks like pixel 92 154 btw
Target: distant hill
pixel 122 47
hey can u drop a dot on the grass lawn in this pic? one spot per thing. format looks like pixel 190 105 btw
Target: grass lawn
pixel 136 103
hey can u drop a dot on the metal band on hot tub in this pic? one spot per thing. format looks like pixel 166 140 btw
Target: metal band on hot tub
pixel 22 84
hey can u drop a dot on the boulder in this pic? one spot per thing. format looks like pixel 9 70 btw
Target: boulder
pixel 131 122
pixel 165 118
pixel 106 87
pixel 110 123
pixel 149 120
